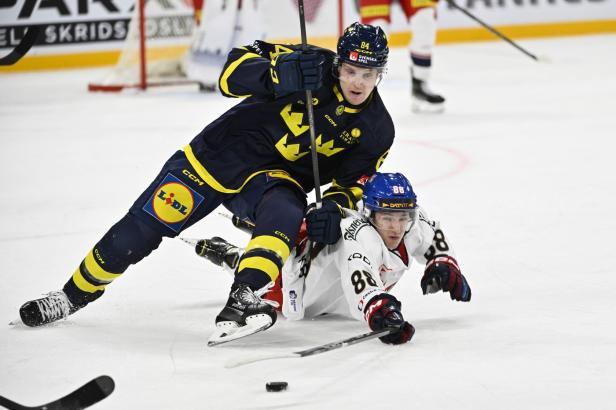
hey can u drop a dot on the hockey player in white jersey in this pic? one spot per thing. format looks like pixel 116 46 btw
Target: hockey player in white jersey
pixel 353 276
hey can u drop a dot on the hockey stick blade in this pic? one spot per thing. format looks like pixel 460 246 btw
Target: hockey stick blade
pixel 85 396
pixel 22 48
pixel 312 351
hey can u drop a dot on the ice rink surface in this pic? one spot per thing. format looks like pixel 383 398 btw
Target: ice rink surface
pixel 519 170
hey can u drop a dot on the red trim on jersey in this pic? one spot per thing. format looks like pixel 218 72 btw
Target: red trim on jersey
pixel 403 253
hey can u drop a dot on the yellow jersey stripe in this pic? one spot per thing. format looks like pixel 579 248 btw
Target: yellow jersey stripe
pixel 338 93
pixel 224 78
pixel 212 182
pixel 270 243
pixel 263 264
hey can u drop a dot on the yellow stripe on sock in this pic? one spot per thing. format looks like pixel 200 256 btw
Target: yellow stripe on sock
pixel 83 284
pixel 260 263
pixel 95 269
pixel 270 243
pixel 374 11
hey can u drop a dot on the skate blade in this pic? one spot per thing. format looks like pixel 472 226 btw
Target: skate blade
pixel 228 331
pixel 423 107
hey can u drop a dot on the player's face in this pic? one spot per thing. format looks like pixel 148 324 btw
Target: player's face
pixel 357 82
pixel 392 226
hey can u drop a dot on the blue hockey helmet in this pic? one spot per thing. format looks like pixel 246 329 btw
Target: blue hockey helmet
pixel 363 45
pixel 389 192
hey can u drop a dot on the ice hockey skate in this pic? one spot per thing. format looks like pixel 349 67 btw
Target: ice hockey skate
pixel 51 308
pixel 245 313
pixel 424 100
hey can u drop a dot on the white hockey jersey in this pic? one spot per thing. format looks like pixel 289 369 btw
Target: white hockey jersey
pixel 345 276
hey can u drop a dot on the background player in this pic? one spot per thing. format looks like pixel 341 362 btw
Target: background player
pixel 254 159
pixel 421 15
pixel 353 277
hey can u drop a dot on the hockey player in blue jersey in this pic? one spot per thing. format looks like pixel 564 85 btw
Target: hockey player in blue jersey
pixel 254 160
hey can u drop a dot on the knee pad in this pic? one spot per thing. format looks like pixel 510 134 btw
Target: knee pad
pixel 126 243
pixel 278 219
pixel 282 206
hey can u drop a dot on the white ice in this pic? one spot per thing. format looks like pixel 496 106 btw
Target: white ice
pixel 519 170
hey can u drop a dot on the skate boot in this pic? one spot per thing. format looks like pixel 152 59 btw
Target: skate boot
pixel 219 252
pixel 51 308
pixel 424 100
pixel 244 314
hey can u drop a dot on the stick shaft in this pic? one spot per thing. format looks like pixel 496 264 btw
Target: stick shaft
pixel 312 351
pixel 346 342
pixel 492 29
pixel 309 109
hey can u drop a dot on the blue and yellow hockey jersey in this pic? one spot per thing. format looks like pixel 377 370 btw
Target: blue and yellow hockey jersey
pixel 264 133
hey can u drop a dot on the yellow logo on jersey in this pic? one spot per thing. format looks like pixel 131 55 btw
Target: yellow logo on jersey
pixel 294 120
pixel 289 151
pixel 327 148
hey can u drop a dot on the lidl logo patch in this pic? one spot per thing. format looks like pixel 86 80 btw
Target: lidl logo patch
pixel 173 202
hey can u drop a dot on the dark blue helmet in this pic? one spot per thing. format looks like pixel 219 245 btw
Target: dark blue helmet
pixel 363 45
pixel 388 192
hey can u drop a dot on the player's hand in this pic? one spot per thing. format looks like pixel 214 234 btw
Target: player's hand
pixel 297 71
pixel 443 273
pixel 323 224
pixel 383 311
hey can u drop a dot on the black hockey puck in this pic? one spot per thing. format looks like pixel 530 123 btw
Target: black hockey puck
pixel 276 386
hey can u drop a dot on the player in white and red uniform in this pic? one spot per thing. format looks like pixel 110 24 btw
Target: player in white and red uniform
pixel 421 15
pixel 353 276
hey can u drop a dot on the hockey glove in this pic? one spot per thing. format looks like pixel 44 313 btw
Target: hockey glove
pixel 323 224
pixel 297 71
pixel 383 311
pixel 219 252
pixel 443 273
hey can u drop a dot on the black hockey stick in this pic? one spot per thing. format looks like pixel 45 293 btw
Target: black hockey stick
pixel 22 48
pixel 492 30
pixel 85 396
pixel 309 109
pixel 312 351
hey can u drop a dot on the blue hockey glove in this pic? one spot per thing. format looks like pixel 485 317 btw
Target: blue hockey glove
pixel 297 71
pixel 383 311
pixel 323 224
pixel 443 273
